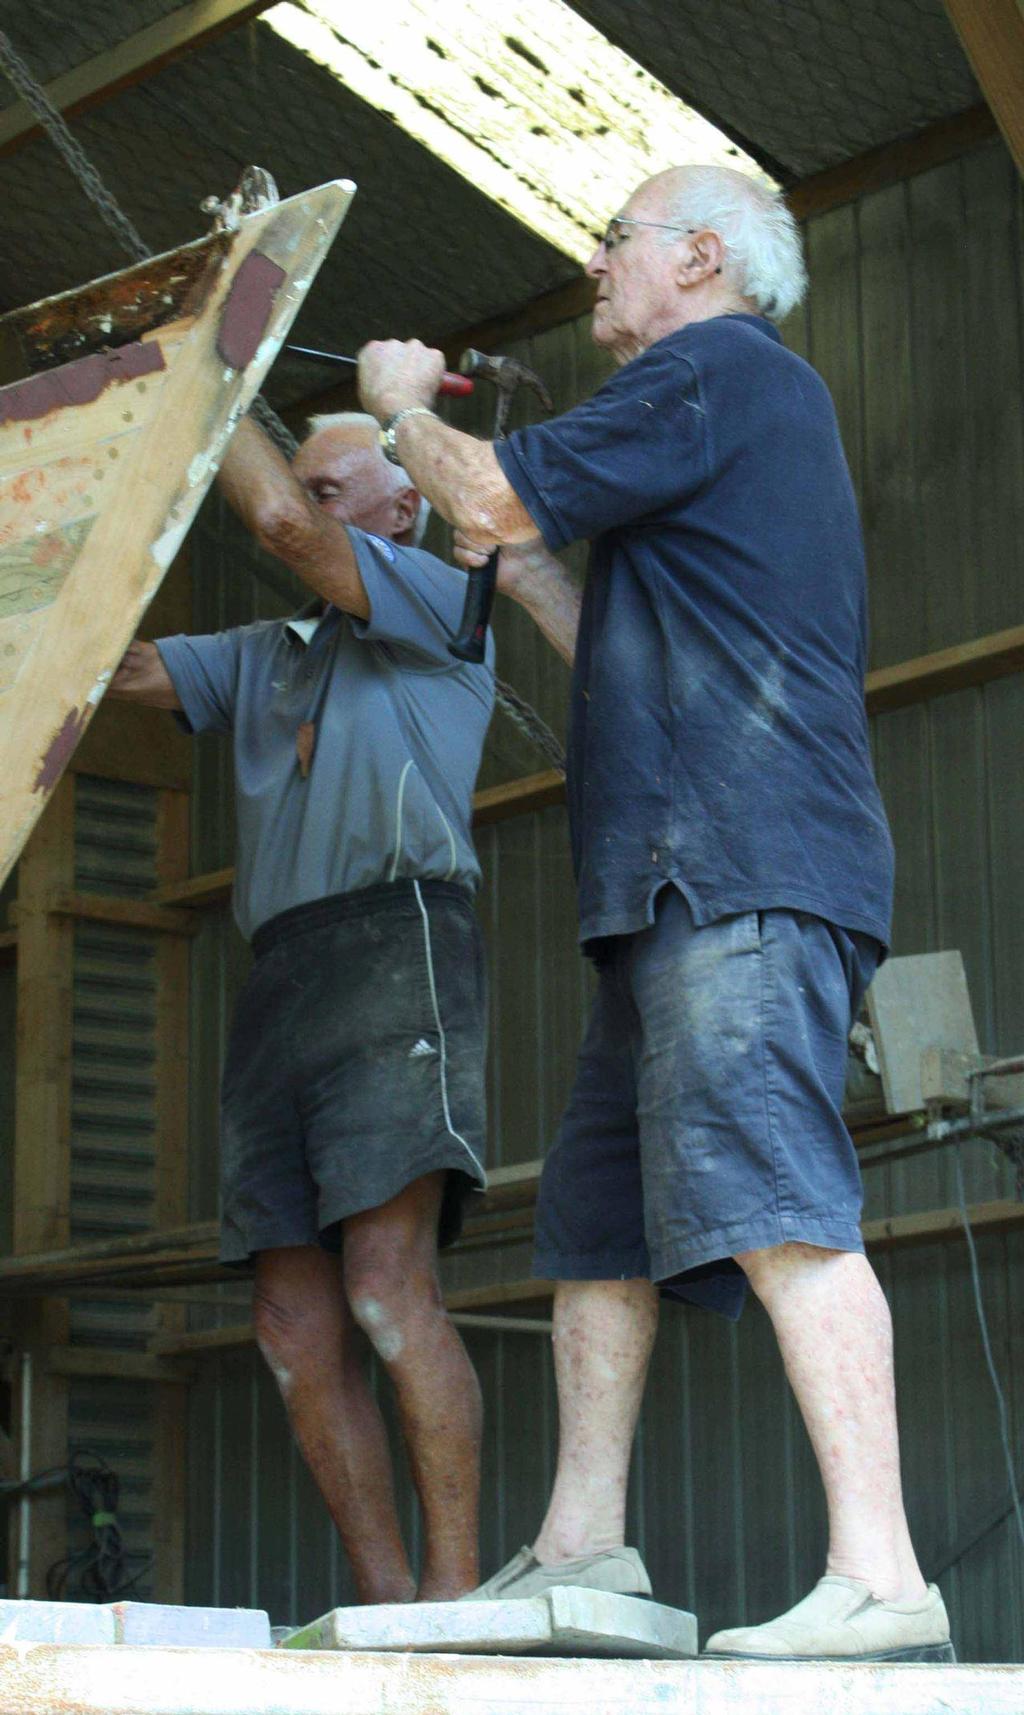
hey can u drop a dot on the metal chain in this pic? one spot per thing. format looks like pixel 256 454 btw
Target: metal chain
pixel 279 432
pixel 53 122
pixel 529 722
pixel 56 128
pixel 71 151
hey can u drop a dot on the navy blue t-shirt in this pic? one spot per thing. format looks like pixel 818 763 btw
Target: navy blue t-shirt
pixel 718 736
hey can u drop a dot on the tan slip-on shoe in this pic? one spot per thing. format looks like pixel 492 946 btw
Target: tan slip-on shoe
pixel 841 1621
pixel 618 1570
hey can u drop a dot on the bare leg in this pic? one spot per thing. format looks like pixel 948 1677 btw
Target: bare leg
pixel 604 1332
pixel 390 1266
pixel 306 1334
pixel 835 1333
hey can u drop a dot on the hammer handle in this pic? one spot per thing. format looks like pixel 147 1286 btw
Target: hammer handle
pixel 471 642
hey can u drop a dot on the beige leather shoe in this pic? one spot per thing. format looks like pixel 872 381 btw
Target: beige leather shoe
pixel 841 1621
pixel 619 1570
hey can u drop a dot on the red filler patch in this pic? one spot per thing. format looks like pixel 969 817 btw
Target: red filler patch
pixel 78 383
pixel 247 311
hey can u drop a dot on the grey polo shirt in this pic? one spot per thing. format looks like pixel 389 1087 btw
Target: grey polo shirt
pixel 356 742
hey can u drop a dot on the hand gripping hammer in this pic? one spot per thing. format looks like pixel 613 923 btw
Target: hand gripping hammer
pixel 507 373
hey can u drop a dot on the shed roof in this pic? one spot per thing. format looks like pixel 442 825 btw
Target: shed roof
pixel 800 84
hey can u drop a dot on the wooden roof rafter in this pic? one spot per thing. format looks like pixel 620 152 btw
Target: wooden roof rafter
pixel 131 61
pixel 991 34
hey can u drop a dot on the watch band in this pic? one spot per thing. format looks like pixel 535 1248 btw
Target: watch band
pixel 388 445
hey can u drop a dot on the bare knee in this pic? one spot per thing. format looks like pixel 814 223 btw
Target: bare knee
pixel 299 1323
pixel 389 1295
pixel 795 1275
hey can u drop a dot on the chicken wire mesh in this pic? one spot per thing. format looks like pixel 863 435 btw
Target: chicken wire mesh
pixel 803 83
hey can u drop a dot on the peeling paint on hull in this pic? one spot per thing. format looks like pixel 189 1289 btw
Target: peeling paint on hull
pixel 77 383
pixel 60 750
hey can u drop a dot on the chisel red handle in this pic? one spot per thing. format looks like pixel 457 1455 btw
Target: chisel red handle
pixel 455 386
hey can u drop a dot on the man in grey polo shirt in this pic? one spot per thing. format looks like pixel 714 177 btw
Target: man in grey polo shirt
pixel 352 1102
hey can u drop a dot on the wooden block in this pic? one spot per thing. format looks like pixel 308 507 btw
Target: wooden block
pixel 197 1628
pixel 945 1075
pixel 916 1003
pixel 563 1621
pixel 55 1623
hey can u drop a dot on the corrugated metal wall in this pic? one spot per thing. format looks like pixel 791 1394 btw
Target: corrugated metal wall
pixel 914 319
pixel 113 1128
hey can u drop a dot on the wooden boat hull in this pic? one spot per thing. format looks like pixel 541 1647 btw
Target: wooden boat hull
pixel 106 452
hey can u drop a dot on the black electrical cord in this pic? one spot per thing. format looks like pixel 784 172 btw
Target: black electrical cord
pixel 986 1343
pixel 101 1571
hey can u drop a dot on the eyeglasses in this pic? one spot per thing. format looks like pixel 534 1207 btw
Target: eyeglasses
pixel 610 238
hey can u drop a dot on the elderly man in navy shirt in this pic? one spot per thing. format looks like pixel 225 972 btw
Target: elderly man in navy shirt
pixel 734 871
pixel 352 1113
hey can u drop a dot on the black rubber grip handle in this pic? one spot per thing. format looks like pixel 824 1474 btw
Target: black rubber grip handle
pixel 471 643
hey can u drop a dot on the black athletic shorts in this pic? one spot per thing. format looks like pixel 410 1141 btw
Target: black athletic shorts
pixel 355 1065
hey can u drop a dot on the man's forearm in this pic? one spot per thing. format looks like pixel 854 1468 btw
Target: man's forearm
pixel 530 575
pixel 260 485
pixel 143 678
pixel 254 477
pixel 463 481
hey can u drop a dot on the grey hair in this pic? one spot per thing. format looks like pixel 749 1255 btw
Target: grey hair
pixel 400 477
pixel 764 252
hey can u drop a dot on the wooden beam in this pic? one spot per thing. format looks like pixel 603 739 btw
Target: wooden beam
pixel 518 797
pixel 199 1341
pixel 165 1348
pixel 992 657
pixel 197 890
pixel 104 1260
pixel 138 57
pixel 931 1226
pixel 142 1260
pixel 90 1361
pixel 992 36
pixel 892 162
pixel 126 913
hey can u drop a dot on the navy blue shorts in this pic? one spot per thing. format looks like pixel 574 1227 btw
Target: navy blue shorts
pixel 706 1116
pixel 355 1065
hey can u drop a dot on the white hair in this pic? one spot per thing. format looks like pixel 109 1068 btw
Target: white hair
pixel 764 253
pixel 399 476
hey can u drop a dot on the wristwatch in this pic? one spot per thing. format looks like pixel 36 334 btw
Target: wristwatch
pixel 388 429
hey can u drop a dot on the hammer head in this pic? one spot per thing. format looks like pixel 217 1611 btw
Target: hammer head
pixel 507 373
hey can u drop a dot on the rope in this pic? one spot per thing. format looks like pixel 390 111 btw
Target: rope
pixel 54 124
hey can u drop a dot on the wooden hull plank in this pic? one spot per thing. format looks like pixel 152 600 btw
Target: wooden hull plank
pixel 102 471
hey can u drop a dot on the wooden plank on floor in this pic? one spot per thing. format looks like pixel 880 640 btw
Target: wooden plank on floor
pixel 36 1679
